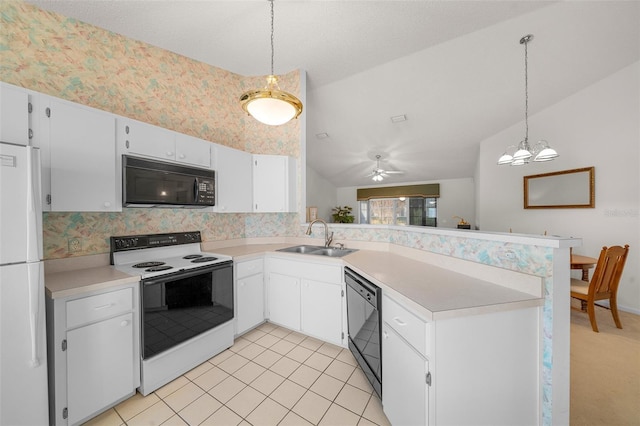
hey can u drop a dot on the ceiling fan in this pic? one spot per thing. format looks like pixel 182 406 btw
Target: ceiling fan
pixel 379 174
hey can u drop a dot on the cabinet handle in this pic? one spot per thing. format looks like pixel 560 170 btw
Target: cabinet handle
pixel 181 156
pixel 107 204
pixel 101 307
pixel 169 154
pixel 241 283
pixel 385 334
pixel 399 321
pixel 124 323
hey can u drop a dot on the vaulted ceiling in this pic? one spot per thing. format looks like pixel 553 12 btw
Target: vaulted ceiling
pixel 455 69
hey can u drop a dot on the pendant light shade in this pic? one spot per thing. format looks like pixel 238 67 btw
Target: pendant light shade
pixel 271 105
pixel 522 153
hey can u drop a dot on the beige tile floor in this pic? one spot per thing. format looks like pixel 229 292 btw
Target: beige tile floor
pixel 270 376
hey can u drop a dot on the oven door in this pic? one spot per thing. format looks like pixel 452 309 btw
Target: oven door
pixel 179 306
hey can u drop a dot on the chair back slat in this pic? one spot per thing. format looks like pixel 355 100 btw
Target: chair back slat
pixel 608 271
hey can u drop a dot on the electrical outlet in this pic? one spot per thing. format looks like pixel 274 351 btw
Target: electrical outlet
pixel 75 245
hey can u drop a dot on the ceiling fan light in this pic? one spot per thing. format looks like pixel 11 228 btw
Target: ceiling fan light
pixel 519 162
pixel 377 178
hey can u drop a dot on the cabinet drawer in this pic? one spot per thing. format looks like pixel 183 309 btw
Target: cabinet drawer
pixel 94 308
pixel 249 267
pixel 414 330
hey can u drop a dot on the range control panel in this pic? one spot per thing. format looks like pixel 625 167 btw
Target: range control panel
pixel 135 242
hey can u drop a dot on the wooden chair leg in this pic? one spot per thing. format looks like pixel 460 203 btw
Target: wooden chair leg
pixel 591 310
pixel 613 305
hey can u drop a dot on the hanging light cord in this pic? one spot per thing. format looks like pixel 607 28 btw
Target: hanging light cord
pixel 526 92
pixel 272 49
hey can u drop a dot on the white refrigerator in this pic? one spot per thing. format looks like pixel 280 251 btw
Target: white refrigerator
pixel 23 352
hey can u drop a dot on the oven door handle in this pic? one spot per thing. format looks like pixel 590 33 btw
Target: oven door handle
pixel 195 189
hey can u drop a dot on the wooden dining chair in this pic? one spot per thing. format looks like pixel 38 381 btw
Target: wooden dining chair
pixel 603 284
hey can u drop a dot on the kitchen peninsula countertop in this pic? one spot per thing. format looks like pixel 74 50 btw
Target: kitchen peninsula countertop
pixel 430 291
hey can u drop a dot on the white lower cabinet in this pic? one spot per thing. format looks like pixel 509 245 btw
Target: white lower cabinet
pixel 93 352
pixel 321 310
pixel 249 294
pixel 404 380
pixel 473 369
pixel 99 367
pixel 307 296
pixel 284 300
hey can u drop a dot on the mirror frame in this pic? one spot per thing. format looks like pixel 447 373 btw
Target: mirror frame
pixel 588 181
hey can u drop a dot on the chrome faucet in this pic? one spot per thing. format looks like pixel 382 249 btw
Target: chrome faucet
pixel 327 238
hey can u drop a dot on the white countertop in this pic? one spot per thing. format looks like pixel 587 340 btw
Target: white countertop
pixel 430 291
pixel 73 282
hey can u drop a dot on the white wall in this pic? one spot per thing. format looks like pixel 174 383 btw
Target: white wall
pixel 598 126
pixel 321 194
pixel 457 198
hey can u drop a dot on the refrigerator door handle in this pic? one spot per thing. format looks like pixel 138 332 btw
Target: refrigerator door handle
pixel 34 278
pixel 34 206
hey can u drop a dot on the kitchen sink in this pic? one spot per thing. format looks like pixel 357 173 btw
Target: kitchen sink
pixel 318 250
pixel 301 249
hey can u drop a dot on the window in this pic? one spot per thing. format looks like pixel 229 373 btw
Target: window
pixel 418 211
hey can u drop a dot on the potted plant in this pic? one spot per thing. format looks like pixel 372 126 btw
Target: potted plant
pixel 342 214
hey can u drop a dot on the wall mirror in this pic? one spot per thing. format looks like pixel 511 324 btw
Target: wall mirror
pixel 564 189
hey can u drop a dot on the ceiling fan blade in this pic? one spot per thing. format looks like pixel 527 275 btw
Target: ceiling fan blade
pixel 394 172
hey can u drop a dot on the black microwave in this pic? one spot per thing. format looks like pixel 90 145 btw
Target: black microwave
pixel 150 183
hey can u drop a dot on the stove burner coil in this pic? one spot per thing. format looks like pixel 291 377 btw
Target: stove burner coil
pixel 148 264
pixel 158 268
pixel 204 259
pixel 192 256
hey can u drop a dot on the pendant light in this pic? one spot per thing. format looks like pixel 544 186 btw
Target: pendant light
pixel 522 153
pixel 271 105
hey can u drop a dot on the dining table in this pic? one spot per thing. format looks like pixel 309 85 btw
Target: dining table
pixel 583 262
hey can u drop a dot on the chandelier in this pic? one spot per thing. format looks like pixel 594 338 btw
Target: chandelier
pixel 270 105
pixel 524 152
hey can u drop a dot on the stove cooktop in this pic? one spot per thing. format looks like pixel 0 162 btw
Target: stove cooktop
pixel 161 254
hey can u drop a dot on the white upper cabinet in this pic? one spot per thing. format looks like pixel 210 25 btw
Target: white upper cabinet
pixel 274 183
pixel 142 139
pixel 136 137
pixel 193 151
pixel 83 157
pixel 233 179
pixel 14 115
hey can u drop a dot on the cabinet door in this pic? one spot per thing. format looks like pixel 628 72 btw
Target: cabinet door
pixel 83 158
pixel 273 183
pixel 250 291
pixel 14 115
pixel 145 139
pixel 99 366
pixel 284 300
pixel 404 387
pixel 233 179
pixel 321 305
pixel 193 151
